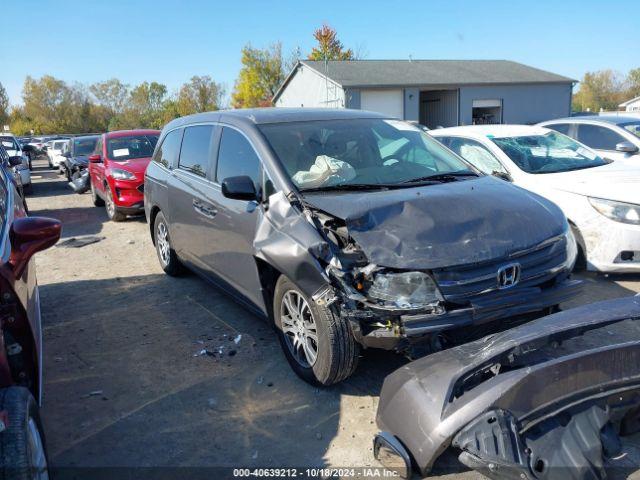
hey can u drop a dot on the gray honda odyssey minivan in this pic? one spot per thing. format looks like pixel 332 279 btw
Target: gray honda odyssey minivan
pixel 348 229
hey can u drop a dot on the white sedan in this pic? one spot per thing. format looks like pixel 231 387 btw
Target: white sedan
pixel 601 198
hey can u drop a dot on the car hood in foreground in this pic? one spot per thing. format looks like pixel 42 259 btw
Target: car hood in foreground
pixel 536 382
pixel 443 225
pixel 615 181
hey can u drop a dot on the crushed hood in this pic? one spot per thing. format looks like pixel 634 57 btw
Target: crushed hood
pixel 443 225
pixel 615 181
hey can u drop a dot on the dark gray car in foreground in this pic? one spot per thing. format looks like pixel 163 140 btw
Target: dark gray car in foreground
pixel 545 400
pixel 348 229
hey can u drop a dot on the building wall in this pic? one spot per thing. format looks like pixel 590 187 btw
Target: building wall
pixel 526 104
pixel 307 88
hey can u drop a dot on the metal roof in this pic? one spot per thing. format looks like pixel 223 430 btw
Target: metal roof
pixel 363 73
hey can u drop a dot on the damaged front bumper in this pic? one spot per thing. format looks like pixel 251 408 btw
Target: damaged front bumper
pixel 548 399
pixel 387 330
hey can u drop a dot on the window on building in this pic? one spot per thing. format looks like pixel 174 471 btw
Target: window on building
pixel 486 112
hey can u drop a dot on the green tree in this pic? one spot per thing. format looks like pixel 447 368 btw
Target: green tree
pixel 599 90
pixel 145 105
pixel 259 78
pixel 329 47
pixel 200 94
pixel 4 106
pixel 633 82
pixel 112 94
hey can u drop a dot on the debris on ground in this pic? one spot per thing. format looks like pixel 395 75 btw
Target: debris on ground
pixel 95 393
pixel 232 353
pixel 77 242
pixel 237 339
pixel 206 352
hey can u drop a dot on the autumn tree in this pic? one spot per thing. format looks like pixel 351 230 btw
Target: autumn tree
pixel 599 90
pixel 200 94
pixel 4 106
pixel 329 47
pixel 111 94
pixel 261 74
pixel 633 83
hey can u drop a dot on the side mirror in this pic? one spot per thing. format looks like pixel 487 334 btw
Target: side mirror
pixel 15 160
pixel 502 176
pixel 626 147
pixel 239 188
pixel 29 235
pixel 95 158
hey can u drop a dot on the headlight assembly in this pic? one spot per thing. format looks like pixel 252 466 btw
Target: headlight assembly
pixel 617 211
pixel 406 289
pixel 119 174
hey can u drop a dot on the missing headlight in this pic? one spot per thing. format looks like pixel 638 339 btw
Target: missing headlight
pixel 405 290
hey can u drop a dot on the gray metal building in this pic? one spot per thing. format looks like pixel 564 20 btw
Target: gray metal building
pixel 434 92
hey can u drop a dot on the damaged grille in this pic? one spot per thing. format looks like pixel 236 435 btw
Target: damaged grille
pixel 538 265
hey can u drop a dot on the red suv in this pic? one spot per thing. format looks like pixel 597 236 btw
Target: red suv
pixel 116 171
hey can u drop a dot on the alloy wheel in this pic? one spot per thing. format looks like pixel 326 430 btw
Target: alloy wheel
pixel 299 328
pixel 111 207
pixel 162 240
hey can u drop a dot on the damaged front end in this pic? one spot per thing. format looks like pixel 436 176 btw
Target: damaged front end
pixel 549 399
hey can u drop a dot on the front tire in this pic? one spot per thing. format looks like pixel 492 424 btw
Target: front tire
pixel 317 343
pixel 166 254
pixel 22 447
pixel 110 205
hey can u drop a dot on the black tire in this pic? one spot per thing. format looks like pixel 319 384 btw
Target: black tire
pixel 97 201
pixel 168 260
pixel 337 350
pixel 17 453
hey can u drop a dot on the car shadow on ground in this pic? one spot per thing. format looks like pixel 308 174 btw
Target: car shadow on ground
pixel 145 371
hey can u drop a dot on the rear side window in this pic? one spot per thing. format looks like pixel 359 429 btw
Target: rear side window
pixel 195 153
pixel 237 157
pixel 167 154
pixel 560 127
pixel 600 138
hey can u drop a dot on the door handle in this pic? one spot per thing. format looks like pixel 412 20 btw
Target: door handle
pixel 204 209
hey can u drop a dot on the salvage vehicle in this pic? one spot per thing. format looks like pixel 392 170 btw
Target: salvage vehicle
pixel 76 156
pixel 14 149
pixel 600 197
pixel 548 399
pixel 612 136
pixel 116 171
pixel 54 153
pixel 347 229
pixel 22 445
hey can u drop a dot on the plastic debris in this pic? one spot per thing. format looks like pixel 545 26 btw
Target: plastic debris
pixel 237 339
pixel 77 242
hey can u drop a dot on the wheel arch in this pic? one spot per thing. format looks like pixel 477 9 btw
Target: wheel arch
pixel 268 276
pixel 153 213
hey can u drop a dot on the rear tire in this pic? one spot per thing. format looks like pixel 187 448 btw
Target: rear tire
pixel 336 351
pixel 97 201
pixel 22 446
pixel 166 254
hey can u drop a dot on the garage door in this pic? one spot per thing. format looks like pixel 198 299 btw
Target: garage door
pixel 388 102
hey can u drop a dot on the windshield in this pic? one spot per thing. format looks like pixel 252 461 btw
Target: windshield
pixel 84 146
pixel 9 143
pixel 58 145
pixel 134 146
pixel 362 152
pixel 633 127
pixel 548 153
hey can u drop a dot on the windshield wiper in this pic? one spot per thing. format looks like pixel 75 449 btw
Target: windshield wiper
pixel 346 187
pixel 442 177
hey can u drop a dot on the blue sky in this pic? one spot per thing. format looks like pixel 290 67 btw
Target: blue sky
pixel 170 41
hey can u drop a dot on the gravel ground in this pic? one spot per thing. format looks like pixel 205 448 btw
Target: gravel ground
pixel 125 386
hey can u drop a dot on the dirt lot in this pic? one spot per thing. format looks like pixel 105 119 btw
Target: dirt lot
pixel 124 385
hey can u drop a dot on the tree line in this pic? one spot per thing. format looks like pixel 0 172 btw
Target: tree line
pixel 50 105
